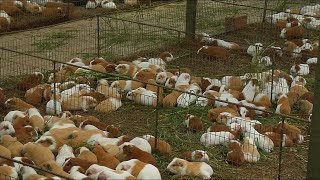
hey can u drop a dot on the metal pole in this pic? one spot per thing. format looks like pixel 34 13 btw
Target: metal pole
pixel 157 119
pixel 98 35
pixel 272 74
pixel 313 171
pixel 280 153
pixel 265 10
pixel 191 16
pixel 54 88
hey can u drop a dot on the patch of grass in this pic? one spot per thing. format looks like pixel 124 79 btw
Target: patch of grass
pixel 53 40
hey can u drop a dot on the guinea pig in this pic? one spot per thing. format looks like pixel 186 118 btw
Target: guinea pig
pixel 139 169
pixel 126 69
pixel 162 77
pixel 8 172
pixel 300 69
pixel 283 106
pixel 12 144
pixel 293 32
pixel 276 138
pixel 195 156
pixel 109 105
pixel 36 120
pixel 193 123
pixel 235 155
pixel 17 104
pixel 143 96
pixel 4 152
pixel 144 74
pixel 162 146
pixel 34 95
pixel 30 81
pixel 214 51
pixel 183 167
pixel 215 138
pixel 129 151
pixel 79 103
pixel 37 153
pixel 171 99
pixel 305 107
pixel 104 158
pixel 251 153
pixel 6 128
pixel 126 85
pixel 308 96
pixel 86 154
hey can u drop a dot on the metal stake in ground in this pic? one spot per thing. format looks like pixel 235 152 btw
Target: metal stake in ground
pixel 313 171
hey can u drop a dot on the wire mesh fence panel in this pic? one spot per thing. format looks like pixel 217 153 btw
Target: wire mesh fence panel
pixel 35 14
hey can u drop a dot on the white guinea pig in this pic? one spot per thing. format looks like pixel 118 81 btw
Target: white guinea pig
pixel 215 138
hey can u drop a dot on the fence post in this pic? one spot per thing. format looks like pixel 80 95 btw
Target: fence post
pixel 280 149
pixel 98 35
pixel 157 119
pixel 191 16
pixel 265 10
pixel 54 89
pixel 313 168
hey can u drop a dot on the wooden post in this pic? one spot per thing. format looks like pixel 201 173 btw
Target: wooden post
pixel 191 16
pixel 313 171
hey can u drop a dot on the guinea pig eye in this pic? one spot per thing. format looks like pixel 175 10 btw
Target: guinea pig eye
pixel 5 127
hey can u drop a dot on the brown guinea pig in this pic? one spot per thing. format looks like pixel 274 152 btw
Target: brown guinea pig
pixel 129 151
pixel 193 123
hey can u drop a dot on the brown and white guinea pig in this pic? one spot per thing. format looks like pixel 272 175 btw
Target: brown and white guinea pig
pixel 104 158
pixel 193 123
pixel 171 99
pixel 144 74
pixel 214 51
pixel 53 167
pixel 78 119
pixel 249 148
pixel 166 56
pixel 305 107
pixel 293 32
pixel 162 77
pixel 103 88
pixel 79 103
pixel 8 172
pixel 283 106
pixel 171 82
pixel 276 139
pixel 37 153
pixel 220 128
pixel 195 156
pixel 128 85
pixel 182 167
pixel 12 144
pixel 4 152
pixel 290 130
pixel 79 137
pixel 6 127
pixel 163 147
pixel 86 154
pixel 70 162
pixel 129 151
pixel 126 69
pixel 292 97
pixel 235 155
pixel 30 81
pixel 139 169
pixel 308 96
pixel 247 112
pixel 2 97
pixel 17 104
pixel 113 131
pixel 262 100
pixel 34 95
pixel 26 134
pixel 300 90
pixel 214 113
pixel 109 105
pixel 36 120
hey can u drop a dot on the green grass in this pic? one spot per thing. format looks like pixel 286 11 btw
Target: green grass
pixel 53 40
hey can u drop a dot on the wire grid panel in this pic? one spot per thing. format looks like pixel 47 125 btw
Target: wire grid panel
pixel 62 42
pixel 39 13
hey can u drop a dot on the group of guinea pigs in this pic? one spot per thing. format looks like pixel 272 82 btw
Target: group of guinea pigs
pixel 236 100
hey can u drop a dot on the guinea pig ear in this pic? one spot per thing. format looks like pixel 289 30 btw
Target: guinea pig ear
pixel 127 148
